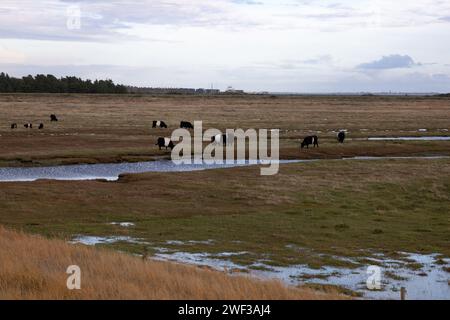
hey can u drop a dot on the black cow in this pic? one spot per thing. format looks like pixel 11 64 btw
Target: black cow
pixel 165 142
pixel 186 125
pixel 53 118
pixel 341 137
pixel 314 140
pixel 28 125
pixel 41 126
pixel 159 124
pixel 14 126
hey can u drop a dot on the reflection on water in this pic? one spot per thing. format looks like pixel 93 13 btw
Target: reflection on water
pixel 111 171
pixel 427 280
pixel 430 281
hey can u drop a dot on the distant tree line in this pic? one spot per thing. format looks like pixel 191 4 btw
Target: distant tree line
pixel 50 84
pixel 200 91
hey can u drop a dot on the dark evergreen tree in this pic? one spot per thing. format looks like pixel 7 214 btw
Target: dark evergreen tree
pixel 50 84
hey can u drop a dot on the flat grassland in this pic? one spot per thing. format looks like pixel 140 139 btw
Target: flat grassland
pixel 309 213
pixel 335 207
pixel 112 128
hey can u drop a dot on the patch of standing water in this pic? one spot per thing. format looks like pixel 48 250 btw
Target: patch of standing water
pixel 123 224
pixel 203 259
pixel 112 171
pixel 189 242
pixel 109 171
pixel 94 240
pixel 430 281
pixel 430 138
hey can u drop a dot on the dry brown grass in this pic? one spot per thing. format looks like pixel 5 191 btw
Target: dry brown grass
pixel 32 267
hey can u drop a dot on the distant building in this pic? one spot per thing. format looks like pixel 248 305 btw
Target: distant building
pixel 231 90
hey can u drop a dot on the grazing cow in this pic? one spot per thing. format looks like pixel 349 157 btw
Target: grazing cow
pixel 28 125
pixel 159 124
pixel 225 139
pixel 314 140
pixel 41 126
pixel 14 126
pixel 341 136
pixel 53 118
pixel 186 125
pixel 165 142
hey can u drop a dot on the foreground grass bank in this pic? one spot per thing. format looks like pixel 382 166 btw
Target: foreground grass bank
pixel 32 267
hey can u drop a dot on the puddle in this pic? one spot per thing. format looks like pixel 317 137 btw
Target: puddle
pixel 201 259
pixel 430 138
pixel 398 158
pixel 123 224
pixel 94 240
pixel 189 242
pixel 430 281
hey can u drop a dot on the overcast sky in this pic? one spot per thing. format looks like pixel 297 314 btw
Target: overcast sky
pixel 256 45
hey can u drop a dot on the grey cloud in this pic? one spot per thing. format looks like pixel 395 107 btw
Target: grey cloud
pixel 103 20
pixel 393 61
